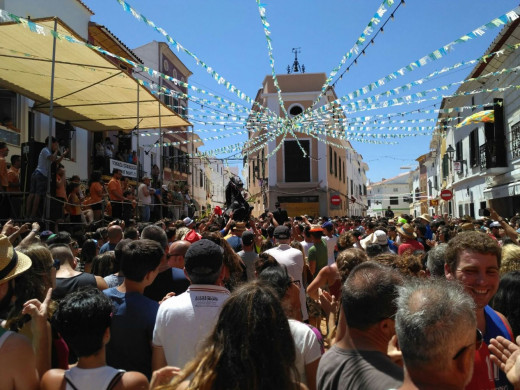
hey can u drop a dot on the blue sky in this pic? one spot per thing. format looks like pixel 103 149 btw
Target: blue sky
pixel 229 36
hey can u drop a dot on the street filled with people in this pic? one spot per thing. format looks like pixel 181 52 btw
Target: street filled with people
pixel 272 302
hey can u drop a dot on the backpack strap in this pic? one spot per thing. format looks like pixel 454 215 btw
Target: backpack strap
pixel 69 381
pixel 115 380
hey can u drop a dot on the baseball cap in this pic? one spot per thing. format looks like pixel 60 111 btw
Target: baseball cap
pixel 247 237
pixel 495 224
pixel 327 225
pixel 380 238
pixel 282 232
pixel 203 257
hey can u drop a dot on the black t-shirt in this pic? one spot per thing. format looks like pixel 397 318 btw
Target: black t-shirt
pixel 165 283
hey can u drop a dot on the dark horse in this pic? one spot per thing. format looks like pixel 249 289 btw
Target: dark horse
pixel 235 202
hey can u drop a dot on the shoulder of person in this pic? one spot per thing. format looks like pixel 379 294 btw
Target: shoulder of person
pixel 132 380
pixel 53 379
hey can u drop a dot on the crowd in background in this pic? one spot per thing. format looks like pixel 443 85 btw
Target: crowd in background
pixel 273 302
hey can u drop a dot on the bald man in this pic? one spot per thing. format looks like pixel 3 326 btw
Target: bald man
pixel 115 234
pixel 176 260
pixel 171 279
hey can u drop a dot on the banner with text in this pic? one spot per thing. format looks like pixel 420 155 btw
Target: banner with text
pixel 129 170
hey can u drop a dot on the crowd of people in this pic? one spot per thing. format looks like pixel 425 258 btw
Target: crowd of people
pixel 275 302
pixel 77 203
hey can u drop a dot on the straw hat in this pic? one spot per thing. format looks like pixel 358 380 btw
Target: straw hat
pixel 406 231
pixel 12 263
pixel 426 217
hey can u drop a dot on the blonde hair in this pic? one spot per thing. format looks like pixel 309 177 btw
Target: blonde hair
pixel 510 259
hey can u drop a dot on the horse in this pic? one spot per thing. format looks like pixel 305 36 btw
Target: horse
pixel 235 202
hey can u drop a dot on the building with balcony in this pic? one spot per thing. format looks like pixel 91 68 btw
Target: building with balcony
pixel 172 160
pixel 90 97
pixel 483 159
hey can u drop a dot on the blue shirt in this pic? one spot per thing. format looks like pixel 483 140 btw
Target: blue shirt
pixel 107 246
pixel 131 332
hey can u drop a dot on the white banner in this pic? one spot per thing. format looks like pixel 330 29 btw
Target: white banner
pixel 129 170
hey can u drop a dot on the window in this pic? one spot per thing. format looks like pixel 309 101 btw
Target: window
pixel 330 160
pixel 297 167
pixel 445 166
pixel 473 148
pixel 458 151
pixel 340 167
pixel 351 187
pixel 201 180
pixel 344 173
pixel 394 200
pixel 396 189
pixel 295 110
pixel 364 190
pixel 335 165
pixel 435 182
pixel 7 108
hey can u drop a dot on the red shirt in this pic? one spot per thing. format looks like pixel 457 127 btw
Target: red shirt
pixel 410 246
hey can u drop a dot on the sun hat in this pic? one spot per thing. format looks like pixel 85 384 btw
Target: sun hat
pixel 467 226
pixel 426 217
pixel 406 231
pixel 12 263
pixel 187 221
pixel 239 226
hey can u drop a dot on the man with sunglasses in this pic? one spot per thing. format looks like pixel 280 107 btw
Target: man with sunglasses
pixel 428 311
pixel 473 258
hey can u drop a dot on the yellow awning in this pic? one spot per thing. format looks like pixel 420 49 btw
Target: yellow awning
pixel 90 91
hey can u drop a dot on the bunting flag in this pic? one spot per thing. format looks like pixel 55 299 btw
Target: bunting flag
pixel 375 20
pixel 267 32
pixel 487 116
pixel 444 50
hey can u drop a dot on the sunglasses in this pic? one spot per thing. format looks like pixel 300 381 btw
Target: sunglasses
pixel 478 343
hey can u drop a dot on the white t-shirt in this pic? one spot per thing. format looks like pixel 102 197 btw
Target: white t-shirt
pixel 143 199
pixel 90 378
pixel 184 321
pixel 331 243
pixel 306 246
pixel 307 347
pixel 292 258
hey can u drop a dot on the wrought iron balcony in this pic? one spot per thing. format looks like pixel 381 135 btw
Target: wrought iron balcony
pixel 493 158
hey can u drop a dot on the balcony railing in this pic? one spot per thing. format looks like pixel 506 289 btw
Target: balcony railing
pixel 515 142
pixel 493 155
